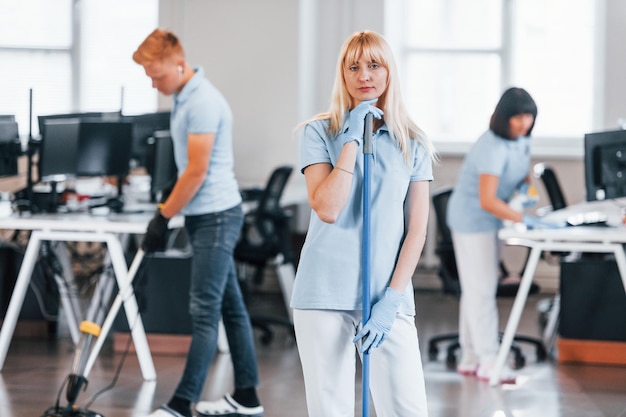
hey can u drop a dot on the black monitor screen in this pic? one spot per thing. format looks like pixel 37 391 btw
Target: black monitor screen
pixel 104 149
pixel 605 165
pixel 162 166
pixel 57 150
pixel 95 116
pixel 144 125
pixel 10 147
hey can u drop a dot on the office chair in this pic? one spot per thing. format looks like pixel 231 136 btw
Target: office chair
pixel 450 285
pixel 551 184
pixel 266 240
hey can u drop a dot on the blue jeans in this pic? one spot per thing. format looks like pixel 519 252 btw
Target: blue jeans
pixel 215 294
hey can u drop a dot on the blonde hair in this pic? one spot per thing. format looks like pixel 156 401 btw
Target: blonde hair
pixel 160 45
pixel 374 48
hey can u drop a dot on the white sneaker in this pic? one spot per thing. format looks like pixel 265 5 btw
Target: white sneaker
pixel 164 411
pixel 227 407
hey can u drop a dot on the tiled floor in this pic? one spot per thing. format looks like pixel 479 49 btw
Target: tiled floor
pixel 35 370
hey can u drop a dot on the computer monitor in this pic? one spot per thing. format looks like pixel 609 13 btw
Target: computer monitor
pixel 104 149
pixel 144 125
pixel 10 148
pixel 161 164
pixel 605 165
pixel 8 131
pixel 58 150
pixel 95 116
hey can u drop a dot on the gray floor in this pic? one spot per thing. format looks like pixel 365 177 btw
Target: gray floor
pixel 36 368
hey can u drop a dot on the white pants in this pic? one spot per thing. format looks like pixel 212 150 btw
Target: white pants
pixel 477 258
pixel 328 359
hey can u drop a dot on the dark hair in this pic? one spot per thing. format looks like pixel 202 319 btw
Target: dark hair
pixel 514 101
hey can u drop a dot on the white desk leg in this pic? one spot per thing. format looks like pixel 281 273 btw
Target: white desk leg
pixel 145 398
pixel 138 333
pixel 126 296
pixel 516 312
pixel 19 292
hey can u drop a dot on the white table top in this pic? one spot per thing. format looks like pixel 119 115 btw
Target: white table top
pixel 133 223
pixel 615 232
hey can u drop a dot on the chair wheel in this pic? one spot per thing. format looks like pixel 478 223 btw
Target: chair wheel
pixel 520 362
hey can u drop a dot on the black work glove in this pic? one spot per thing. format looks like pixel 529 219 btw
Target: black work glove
pixel 154 238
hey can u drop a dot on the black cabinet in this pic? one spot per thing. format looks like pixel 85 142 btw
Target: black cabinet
pixel 162 292
pixel 593 301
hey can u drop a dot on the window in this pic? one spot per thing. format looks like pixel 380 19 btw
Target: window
pixel 75 55
pixel 456 58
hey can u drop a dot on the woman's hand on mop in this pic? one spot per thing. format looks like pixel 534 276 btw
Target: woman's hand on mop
pixel 374 332
pixel 356 121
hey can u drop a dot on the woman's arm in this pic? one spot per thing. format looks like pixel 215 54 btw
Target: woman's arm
pixel 328 189
pixel 418 206
pixel 487 187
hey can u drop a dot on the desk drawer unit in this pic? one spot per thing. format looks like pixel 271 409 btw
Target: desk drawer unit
pixel 592 324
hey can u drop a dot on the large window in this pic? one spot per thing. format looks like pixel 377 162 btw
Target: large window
pixel 74 55
pixel 457 57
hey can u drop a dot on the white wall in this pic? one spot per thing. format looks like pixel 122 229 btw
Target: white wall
pixel 615 63
pixel 250 51
pixel 242 46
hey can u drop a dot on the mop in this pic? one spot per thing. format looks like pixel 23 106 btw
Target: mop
pixel 368 155
pixel 85 353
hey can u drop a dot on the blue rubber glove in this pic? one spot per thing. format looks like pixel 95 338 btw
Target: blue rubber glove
pixel 374 332
pixel 533 222
pixel 356 121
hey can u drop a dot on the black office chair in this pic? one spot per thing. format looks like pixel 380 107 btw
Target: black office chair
pixel 450 281
pixel 266 240
pixel 551 184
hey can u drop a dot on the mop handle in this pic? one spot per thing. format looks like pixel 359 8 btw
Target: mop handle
pixel 366 303
pixel 367 155
pixel 368 149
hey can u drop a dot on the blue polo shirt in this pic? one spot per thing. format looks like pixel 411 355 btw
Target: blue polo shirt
pixel 329 272
pixel 509 160
pixel 201 108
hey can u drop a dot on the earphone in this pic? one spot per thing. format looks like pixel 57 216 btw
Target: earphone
pixel 180 70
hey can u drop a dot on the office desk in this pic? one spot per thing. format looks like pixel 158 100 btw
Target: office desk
pixel 74 228
pixel 568 239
